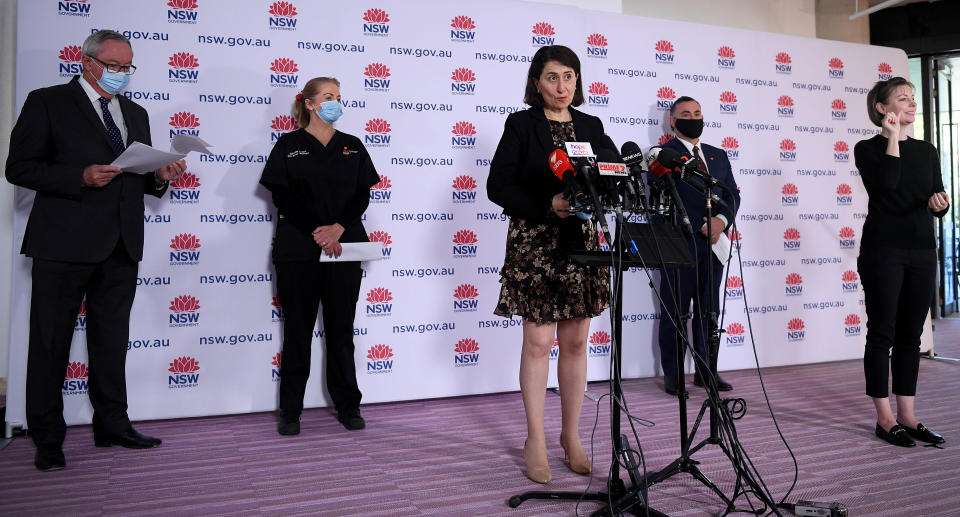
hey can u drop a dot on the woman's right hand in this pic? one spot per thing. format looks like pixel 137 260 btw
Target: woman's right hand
pixel 560 206
pixel 891 122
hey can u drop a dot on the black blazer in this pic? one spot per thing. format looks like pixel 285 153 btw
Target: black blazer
pixel 520 178
pixel 57 135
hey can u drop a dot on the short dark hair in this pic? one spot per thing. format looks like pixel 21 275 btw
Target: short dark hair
pixel 881 93
pixel 560 54
pixel 682 98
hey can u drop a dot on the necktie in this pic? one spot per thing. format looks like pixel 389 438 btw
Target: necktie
pixel 700 163
pixel 112 130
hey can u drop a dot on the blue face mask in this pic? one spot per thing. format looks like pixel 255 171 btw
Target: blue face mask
pixel 113 82
pixel 330 111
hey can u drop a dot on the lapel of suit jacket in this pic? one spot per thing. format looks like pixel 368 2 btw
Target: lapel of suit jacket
pixel 86 107
pixel 542 129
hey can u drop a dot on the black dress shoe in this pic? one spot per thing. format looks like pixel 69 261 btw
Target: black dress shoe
pixel 289 425
pixel 48 459
pixel 722 385
pixel 351 419
pixel 923 434
pixel 130 439
pixel 670 384
pixel 897 435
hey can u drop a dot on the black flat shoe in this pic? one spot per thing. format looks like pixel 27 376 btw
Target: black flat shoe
pixel 289 426
pixel 351 419
pixel 49 459
pixel 130 439
pixel 670 385
pixel 897 435
pixel 923 434
pixel 722 385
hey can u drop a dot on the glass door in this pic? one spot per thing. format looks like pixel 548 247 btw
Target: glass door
pixel 945 97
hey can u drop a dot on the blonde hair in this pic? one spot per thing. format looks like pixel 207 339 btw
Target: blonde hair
pixel 310 89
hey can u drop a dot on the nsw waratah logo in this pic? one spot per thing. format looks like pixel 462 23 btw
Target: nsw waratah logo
pixel 377 133
pixel 464 244
pixel 838 109
pixel 464 189
pixel 380 193
pixel 462 29
pixel 376 22
pixel 848 238
pixel 380 359
pixel 185 250
pixel 184 311
pixel 734 287
pixel 185 189
pixel 184 123
pixel 598 95
pixel 599 344
pixel 183 373
pixel 735 237
pixel 70 57
pixel 543 34
pixel 788 150
pixel 463 82
pixel 465 298
pixel 281 124
pixel 555 350
pixel 81 323
pixel 789 195
pixel 464 135
pixel 384 239
pixel 80 8
pixel 182 11
pixel 844 195
pixel 785 106
pixel 184 68
pixel 732 146
pixel 725 58
pixel 665 97
pixel 664 138
pixel 376 78
pixel 835 68
pixel 791 239
pixel 783 63
pixel 884 72
pixel 275 367
pixel 283 16
pixel 276 310
pixel 663 52
pixel 75 382
pixel 728 103
pixel 378 302
pixel 795 330
pixel 849 281
pixel 851 325
pixel 466 353
pixel 841 152
pixel 597 46
pixel 794 285
pixel 283 73
pixel 735 334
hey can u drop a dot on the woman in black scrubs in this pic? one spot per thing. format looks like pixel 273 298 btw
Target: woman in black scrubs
pixel 320 180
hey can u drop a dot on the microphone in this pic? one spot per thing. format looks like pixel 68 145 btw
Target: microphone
pixel 562 168
pixel 661 162
pixel 633 158
pixel 613 172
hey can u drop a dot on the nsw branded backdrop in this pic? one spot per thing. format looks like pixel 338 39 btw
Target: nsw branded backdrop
pixel 427 85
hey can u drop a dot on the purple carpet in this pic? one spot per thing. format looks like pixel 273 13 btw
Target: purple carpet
pixel 462 456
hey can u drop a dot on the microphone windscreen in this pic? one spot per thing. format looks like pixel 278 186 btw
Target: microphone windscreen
pixel 560 163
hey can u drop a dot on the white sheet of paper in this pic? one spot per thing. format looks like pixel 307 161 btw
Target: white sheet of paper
pixel 141 158
pixel 183 144
pixel 722 248
pixel 356 251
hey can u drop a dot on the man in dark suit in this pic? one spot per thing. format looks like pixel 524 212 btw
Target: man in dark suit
pixel 85 235
pixel 694 287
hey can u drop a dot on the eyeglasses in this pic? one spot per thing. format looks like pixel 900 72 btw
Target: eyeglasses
pixel 123 69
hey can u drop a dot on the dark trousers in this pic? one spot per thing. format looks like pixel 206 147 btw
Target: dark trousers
pixel 301 287
pixel 58 289
pixel 690 283
pixel 898 285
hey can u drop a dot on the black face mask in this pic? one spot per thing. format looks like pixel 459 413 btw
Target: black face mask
pixel 690 127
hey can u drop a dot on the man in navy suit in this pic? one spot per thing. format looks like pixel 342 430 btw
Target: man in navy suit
pixel 85 236
pixel 686 119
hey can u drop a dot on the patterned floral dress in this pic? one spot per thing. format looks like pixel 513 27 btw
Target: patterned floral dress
pixel 539 282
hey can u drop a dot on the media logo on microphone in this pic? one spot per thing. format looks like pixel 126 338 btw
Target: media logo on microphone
pixel 835 68
pixel 735 334
pixel 183 373
pixel 379 359
pixel 462 29
pixel 184 311
pixel 185 250
pixel 463 82
pixel 791 239
pixel 663 52
pixel 377 133
pixel 795 330
pixel 276 310
pixel 851 325
pixel 789 195
pixel 379 302
pixel 185 189
pixel 283 17
pixel 785 106
pixel 732 147
pixel 794 285
pixel 383 238
pixel 884 72
pixel 184 68
pixel 665 98
pixel 466 353
pixel 376 78
pixel 464 135
pixel 380 193
pixel 597 46
pixel 464 244
pixel 280 125
pixel 788 150
pixel 543 34
pixel 848 238
pixel 599 344
pixel 844 195
pixel 465 298
pixel 275 367
pixel 783 63
pixel 376 22
pixel 598 95
pixel 79 8
pixel 81 323
pixel 70 61
pixel 841 152
pixel 464 189
pixel 75 382
pixel 184 123
pixel 728 103
pixel 726 58
pixel 850 281
pixel 182 11
pixel 838 109
pixel 734 287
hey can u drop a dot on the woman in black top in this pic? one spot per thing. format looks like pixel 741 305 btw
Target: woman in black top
pixel 898 260
pixel 320 180
pixel 539 283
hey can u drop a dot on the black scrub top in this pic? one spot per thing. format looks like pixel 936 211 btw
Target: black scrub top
pixel 315 185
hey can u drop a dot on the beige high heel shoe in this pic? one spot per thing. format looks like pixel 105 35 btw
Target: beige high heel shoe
pixel 537 472
pixel 577 459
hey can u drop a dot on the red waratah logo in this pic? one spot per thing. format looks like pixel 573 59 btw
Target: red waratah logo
pixel 284 65
pixel 847 233
pixel 543 29
pixel 283 10
pixel 379 352
pixel 665 92
pixel 463 23
pixel 844 190
pixel 791 239
pixel 276 360
pixel 283 123
pixel 464 128
pixel 465 292
pixel 464 182
pixel 787 145
pixel 463 75
pixel 597 40
pixel 735 329
pixel 849 276
pixel 838 104
pixel 836 63
pixel 377 126
pixel 734 282
pixel 663 46
pixel 382 237
pixel 378 70
pixel 464 237
pixel 379 295
pixel 184 303
pixel 664 139
pixel 794 284
pixel 735 236
pixel 794 279
pixel 841 147
pixel 276 302
pixel 383 184
pixel 851 319
pixel 884 68
pixel 789 190
pixel 598 89
pixel 600 337
pixel 728 97
pixel 77 370
pixel 82 311
pixel 186 181
pixel 183 60
pixel 795 324
pixel 847 236
pixel 791 234
pixel 71 54
pixel 783 65
pixel 726 52
pixel 184 120
pixel 378 16
pixel 183 4
pixel 783 58
pixel 184 364
pixel 730 143
pixel 466 346
pixel 185 242
pixel 728 102
pixel 785 101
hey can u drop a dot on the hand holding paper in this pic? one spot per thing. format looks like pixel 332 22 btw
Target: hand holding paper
pixel 142 158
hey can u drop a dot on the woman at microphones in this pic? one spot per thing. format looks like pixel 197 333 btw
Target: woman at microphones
pixel 553 295
pixel 898 259
pixel 320 182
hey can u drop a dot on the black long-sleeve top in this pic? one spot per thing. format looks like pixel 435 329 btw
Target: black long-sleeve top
pixel 898 214
pixel 315 185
